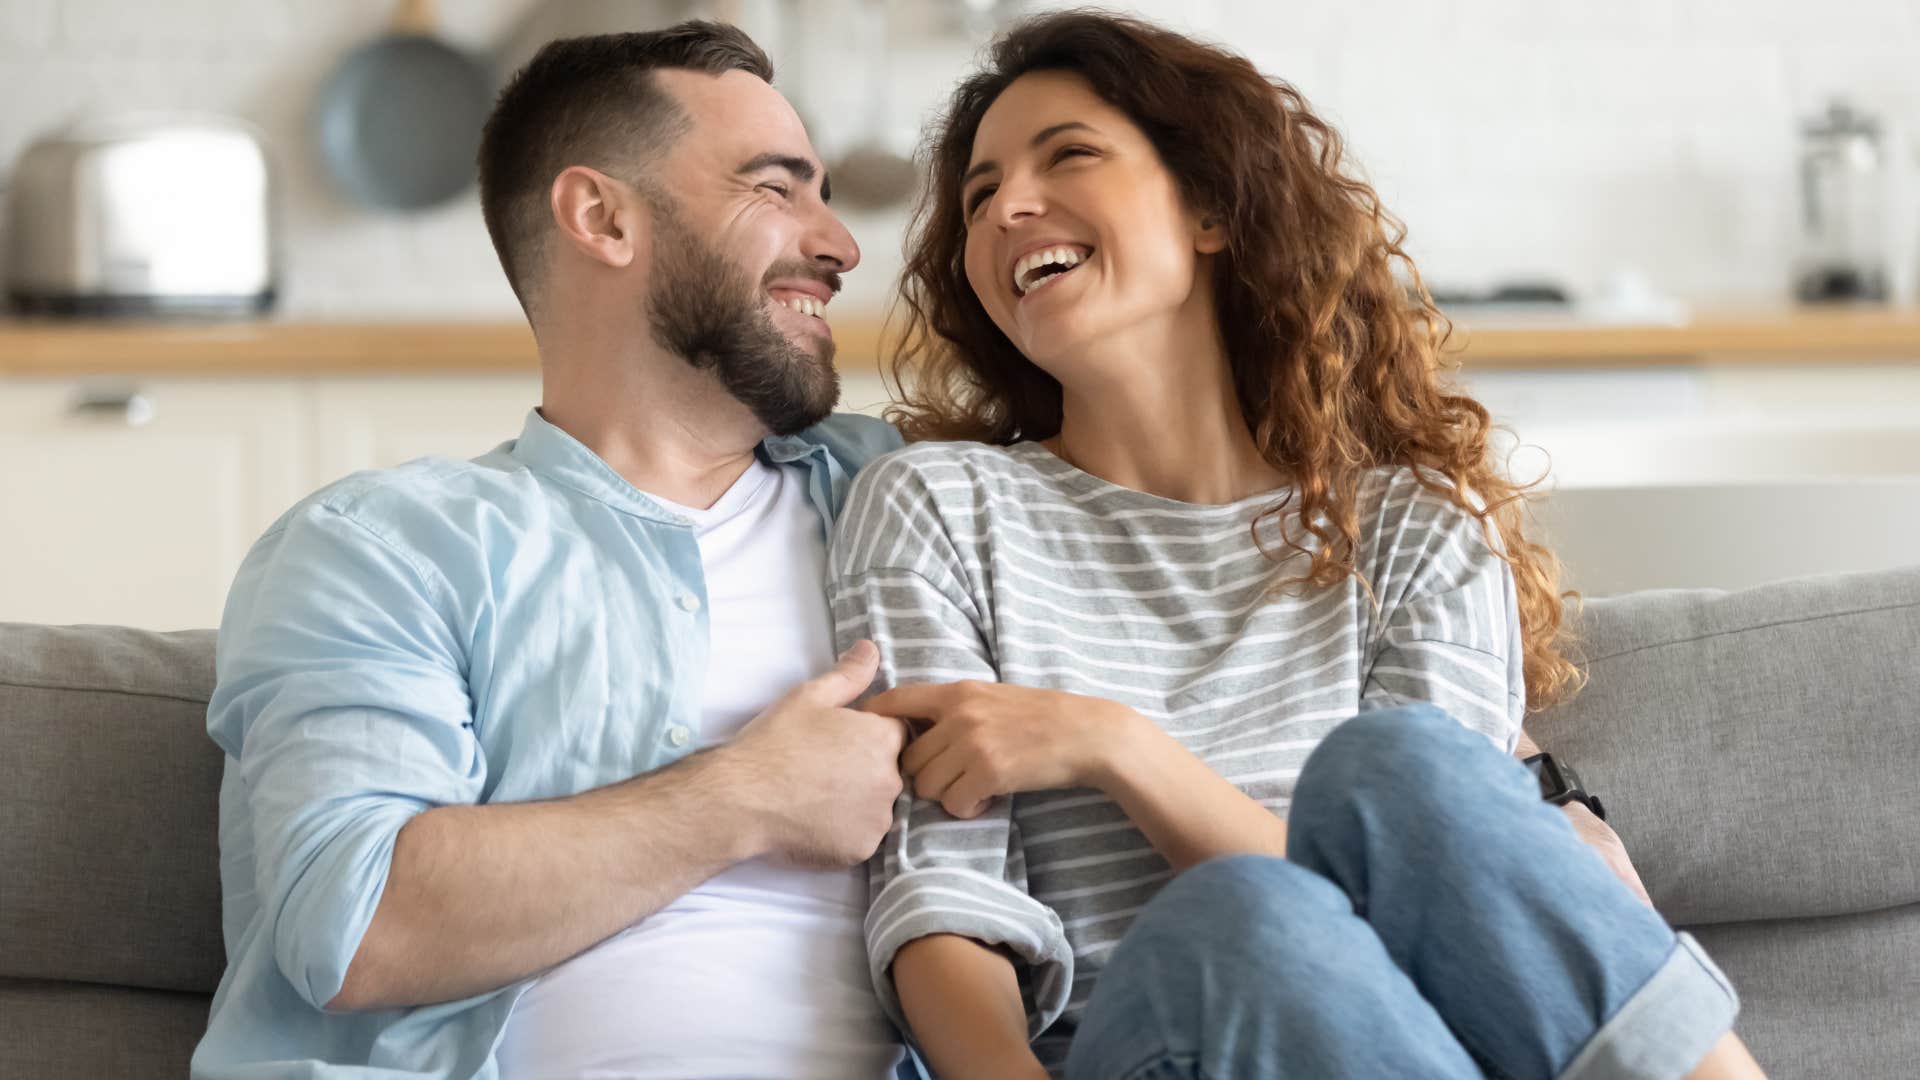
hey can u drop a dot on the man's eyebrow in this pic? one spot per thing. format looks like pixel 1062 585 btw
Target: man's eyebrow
pixel 800 167
pixel 1039 138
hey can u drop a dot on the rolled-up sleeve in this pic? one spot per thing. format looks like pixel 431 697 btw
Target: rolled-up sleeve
pixel 1449 631
pixel 342 700
pixel 897 580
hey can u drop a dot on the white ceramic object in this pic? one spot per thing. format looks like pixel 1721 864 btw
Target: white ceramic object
pixel 1730 536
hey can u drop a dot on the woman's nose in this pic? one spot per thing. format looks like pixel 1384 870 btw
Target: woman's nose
pixel 1018 198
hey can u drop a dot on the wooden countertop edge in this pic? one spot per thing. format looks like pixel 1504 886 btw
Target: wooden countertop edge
pixel 1788 335
pixel 35 347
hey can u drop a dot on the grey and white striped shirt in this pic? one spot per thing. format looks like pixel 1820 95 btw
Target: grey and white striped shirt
pixel 965 561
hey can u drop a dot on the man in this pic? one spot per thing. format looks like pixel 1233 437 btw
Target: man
pixel 475 732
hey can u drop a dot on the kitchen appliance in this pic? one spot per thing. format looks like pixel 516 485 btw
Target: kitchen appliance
pixel 142 216
pixel 1847 194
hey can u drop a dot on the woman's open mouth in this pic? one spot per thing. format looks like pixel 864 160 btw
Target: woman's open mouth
pixel 1041 268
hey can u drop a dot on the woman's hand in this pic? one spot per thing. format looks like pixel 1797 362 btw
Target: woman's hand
pixel 979 740
pixel 1600 837
pixel 1597 834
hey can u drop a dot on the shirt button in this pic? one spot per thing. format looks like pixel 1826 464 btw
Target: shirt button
pixel 689 602
pixel 678 735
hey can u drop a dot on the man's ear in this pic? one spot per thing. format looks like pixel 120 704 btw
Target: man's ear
pixel 597 215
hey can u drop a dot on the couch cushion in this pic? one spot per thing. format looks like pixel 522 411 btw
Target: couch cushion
pixel 1756 750
pixel 1830 997
pixel 66 1031
pixel 108 807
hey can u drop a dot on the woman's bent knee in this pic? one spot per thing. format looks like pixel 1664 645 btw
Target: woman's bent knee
pixel 1231 905
pixel 1409 756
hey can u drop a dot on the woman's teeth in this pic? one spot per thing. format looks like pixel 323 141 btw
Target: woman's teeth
pixel 806 305
pixel 1043 266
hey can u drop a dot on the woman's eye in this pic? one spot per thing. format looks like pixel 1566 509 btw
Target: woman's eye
pixel 978 199
pixel 1073 151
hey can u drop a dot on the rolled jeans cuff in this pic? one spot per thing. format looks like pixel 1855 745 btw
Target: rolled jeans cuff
pixel 1667 1026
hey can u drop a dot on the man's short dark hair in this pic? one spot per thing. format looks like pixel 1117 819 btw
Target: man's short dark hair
pixel 589 101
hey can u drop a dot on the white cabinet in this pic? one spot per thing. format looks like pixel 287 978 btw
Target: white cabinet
pixel 134 502
pixel 377 422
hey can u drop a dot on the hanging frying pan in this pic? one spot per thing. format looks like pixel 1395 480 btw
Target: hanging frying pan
pixel 399 120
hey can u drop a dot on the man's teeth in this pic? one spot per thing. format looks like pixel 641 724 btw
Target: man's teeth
pixel 1026 275
pixel 806 305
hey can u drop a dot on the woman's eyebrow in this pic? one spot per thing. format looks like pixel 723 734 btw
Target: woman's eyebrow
pixel 1039 137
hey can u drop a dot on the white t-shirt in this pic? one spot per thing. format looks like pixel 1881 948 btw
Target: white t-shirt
pixel 762 970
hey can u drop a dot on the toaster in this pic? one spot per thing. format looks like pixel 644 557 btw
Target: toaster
pixel 142 216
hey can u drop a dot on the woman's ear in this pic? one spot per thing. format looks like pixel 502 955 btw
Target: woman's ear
pixel 1211 236
pixel 597 216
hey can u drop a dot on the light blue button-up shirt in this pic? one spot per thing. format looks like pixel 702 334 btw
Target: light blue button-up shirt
pixel 525 625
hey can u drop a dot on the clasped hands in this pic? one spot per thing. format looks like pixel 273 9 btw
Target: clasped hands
pixel 976 741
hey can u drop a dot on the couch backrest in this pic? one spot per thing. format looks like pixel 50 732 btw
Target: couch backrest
pixel 108 809
pixel 1757 749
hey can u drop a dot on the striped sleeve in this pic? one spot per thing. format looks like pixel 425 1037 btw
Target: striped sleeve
pixel 898 579
pixel 1448 632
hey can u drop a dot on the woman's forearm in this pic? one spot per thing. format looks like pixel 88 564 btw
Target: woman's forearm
pixel 1594 832
pixel 1188 812
pixel 962 1000
pixel 1525 747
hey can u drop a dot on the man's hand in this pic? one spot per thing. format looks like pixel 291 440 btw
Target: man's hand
pixel 979 740
pixel 822 777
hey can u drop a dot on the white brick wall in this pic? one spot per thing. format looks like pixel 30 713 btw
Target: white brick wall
pixel 1555 137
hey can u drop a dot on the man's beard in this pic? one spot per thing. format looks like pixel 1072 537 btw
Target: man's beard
pixel 703 308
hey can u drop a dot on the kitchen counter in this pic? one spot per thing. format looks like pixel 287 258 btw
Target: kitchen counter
pixel 1778 335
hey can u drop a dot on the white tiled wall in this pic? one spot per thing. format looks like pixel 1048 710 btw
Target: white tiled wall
pixel 1568 138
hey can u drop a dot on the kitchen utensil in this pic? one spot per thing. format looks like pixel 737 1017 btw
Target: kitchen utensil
pixel 875 173
pixel 399 120
pixel 1845 186
pixel 142 215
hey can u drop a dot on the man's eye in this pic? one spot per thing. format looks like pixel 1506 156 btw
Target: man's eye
pixel 781 190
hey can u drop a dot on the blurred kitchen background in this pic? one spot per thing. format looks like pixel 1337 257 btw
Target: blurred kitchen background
pixel 1681 239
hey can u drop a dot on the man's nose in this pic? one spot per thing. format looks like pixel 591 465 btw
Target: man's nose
pixel 828 245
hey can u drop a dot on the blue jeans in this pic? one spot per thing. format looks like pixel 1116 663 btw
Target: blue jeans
pixel 1433 918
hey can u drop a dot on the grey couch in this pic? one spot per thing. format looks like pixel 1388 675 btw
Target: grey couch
pixel 1760 752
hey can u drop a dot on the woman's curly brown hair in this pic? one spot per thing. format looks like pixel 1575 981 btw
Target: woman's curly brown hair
pixel 1337 364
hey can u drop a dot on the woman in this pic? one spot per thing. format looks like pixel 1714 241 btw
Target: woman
pixel 1199 498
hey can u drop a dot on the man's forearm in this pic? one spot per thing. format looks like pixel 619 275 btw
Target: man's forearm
pixel 962 1000
pixel 482 896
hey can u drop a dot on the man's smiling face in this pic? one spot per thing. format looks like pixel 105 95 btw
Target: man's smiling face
pixel 745 253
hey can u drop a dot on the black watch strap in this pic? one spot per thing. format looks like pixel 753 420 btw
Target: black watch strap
pixel 1560 785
